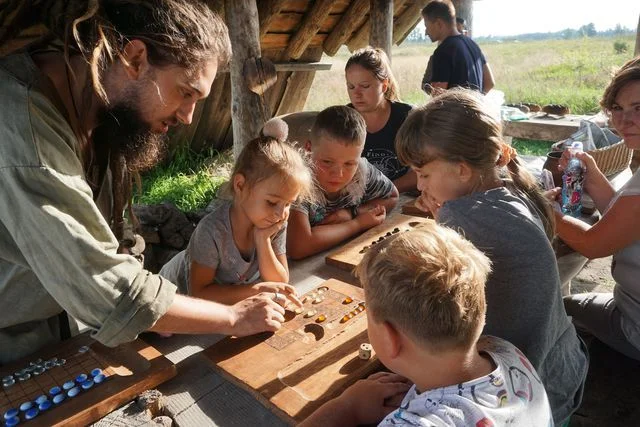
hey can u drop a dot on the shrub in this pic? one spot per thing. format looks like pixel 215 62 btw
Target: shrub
pixel 620 46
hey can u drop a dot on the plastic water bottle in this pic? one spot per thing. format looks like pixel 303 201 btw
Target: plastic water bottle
pixel 572 181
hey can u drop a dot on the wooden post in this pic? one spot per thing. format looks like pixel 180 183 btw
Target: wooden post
pixel 246 114
pixel 636 51
pixel 464 10
pixel 381 18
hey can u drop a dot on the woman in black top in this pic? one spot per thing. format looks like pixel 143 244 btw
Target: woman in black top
pixel 373 92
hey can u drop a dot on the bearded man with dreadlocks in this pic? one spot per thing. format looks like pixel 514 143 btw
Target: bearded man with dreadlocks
pixel 83 108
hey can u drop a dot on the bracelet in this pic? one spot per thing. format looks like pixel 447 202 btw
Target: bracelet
pixel 354 211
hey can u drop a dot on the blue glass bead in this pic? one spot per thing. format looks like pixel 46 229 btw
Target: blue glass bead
pixel 68 385
pixel 95 372
pixel 41 399
pixel 12 422
pixel 26 406
pixel 55 390
pixel 73 392
pixel 59 398
pixel 99 378
pixel 81 378
pixel 44 405
pixel 11 413
pixel 31 413
pixel 87 384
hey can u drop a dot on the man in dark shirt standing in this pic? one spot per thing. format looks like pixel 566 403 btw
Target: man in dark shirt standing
pixel 458 60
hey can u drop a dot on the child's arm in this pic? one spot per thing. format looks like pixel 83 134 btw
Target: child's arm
pixel 614 231
pixel 272 267
pixel 388 202
pixel 362 403
pixel 202 286
pixel 304 240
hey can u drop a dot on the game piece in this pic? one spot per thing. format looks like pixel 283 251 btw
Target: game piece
pixel 349 255
pixel 73 392
pixel 318 300
pixel 298 310
pixel 347 300
pixel 25 406
pixel 31 413
pixel 68 385
pixel 310 313
pixel 132 368
pixel 12 421
pixel 11 413
pixel 365 351
pixel 307 361
pixel 8 383
pixel 83 349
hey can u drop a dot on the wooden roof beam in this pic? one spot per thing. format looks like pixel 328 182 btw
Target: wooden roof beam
pixel 303 66
pixel 310 26
pixel 361 37
pixel 352 18
pixel 267 11
pixel 408 20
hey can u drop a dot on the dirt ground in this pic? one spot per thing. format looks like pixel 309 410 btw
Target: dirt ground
pixel 594 277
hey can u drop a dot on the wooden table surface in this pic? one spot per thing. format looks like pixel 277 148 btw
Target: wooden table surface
pixel 551 128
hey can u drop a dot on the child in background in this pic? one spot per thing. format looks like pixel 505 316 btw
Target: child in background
pixel 243 239
pixel 354 195
pixel 425 312
pixel 456 148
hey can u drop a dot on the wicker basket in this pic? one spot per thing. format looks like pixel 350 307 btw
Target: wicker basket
pixel 612 159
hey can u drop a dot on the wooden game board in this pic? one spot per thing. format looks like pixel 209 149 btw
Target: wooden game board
pixel 350 254
pixel 410 208
pixel 130 369
pixel 305 363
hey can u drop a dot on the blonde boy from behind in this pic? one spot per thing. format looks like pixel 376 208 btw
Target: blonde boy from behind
pixel 354 195
pixel 425 309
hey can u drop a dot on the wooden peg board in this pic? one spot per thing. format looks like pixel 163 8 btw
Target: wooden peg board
pixel 410 208
pixel 350 254
pixel 130 369
pixel 305 363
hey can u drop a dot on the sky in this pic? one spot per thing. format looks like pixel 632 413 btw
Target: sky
pixel 511 17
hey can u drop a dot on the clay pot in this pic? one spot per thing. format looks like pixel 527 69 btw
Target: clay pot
pixel 551 164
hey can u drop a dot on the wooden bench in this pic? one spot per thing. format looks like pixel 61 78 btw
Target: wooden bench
pixel 547 128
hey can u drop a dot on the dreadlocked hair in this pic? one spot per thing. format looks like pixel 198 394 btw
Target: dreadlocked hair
pixel 185 33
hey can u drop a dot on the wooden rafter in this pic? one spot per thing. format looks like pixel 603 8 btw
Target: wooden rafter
pixel 311 23
pixel 267 11
pixel 352 18
pixel 405 22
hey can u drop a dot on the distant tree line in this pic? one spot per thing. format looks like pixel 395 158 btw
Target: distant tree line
pixel 587 30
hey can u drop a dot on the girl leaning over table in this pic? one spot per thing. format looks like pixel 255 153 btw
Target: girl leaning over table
pixel 613 318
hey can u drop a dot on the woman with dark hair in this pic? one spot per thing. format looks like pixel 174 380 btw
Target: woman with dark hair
pixel 373 92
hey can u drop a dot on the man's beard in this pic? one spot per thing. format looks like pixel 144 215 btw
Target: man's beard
pixel 122 128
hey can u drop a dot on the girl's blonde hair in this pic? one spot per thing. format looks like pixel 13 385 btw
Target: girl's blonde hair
pixel 272 155
pixel 376 61
pixel 457 126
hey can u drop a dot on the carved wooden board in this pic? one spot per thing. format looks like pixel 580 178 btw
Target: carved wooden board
pixel 305 363
pixel 410 208
pixel 128 369
pixel 350 254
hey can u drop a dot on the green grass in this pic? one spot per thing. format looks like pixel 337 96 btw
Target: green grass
pixel 531 147
pixel 189 181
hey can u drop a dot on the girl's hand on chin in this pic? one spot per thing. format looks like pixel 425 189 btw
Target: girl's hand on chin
pixel 428 204
pixel 268 232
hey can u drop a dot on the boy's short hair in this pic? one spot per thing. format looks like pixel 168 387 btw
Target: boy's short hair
pixel 429 284
pixel 440 9
pixel 339 122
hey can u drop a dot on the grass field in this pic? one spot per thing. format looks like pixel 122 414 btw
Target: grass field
pixel 570 72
